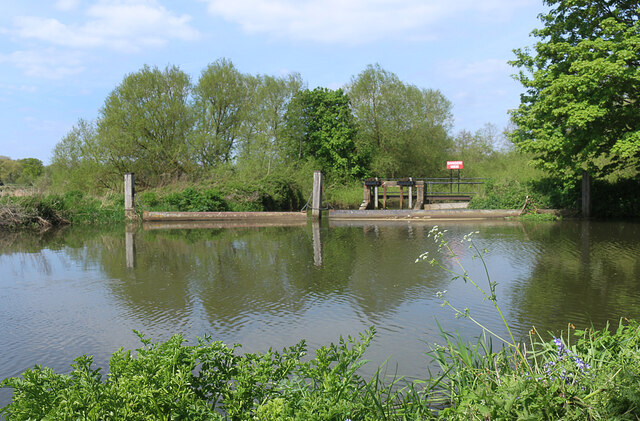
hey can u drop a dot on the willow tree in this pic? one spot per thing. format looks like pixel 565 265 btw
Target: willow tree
pixel 580 111
pixel 77 161
pixel 402 128
pixel 222 97
pixel 144 124
pixel 263 144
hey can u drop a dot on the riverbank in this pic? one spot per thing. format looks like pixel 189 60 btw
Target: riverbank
pixel 44 212
pixel 47 211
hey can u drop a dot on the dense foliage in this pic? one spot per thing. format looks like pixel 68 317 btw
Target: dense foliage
pixel 161 126
pixel 321 127
pixel 45 211
pixel 587 375
pixel 580 110
pixel 403 129
pixel 144 124
pixel 22 171
pixel 207 381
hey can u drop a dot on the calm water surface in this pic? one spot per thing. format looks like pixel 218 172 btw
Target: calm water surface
pixel 80 290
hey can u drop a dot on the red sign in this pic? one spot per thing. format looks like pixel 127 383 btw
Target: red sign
pixel 454 165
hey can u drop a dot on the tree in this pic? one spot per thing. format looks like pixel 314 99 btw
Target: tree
pixel 10 170
pixel 22 171
pixel 77 162
pixel 321 127
pixel 144 125
pixel 263 144
pixel 32 169
pixel 221 99
pixel 478 146
pixel 581 107
pixel 404 129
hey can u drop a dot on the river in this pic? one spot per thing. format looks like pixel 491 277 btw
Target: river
pixel 84 290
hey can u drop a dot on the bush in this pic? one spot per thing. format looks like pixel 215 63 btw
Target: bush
pixel 192 200
pixel 207 381
pixel 509 194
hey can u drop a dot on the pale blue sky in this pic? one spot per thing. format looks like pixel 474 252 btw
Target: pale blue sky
pixel 60 59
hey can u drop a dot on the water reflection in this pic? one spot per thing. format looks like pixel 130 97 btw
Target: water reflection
pixel 80 290
pixel 584 272
pixel 130 245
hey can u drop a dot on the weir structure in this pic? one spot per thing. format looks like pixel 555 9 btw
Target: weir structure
pixel 424 190
pixel 419 193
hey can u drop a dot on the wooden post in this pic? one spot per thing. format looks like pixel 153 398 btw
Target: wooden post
pixel 375 196
pixel 410 194
pixel 384 195
pixel 129 196
pixel 401 195
pixel 316 205
pixel 586 194
pixel 420 195
pixel 366 197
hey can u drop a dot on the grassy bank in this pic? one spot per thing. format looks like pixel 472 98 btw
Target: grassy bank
pixel 45 211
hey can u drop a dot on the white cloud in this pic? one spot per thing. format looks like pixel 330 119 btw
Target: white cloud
pixel 66 5
pixel 353 21
pixel 17 88
pixel 125 25
pixel 48 63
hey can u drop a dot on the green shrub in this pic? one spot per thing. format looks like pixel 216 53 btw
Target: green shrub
pixel 192 200
pixel 148 199
pixel 207 381
pixel 508 194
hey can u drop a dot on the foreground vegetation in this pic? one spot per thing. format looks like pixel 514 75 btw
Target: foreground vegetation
pixel 587 374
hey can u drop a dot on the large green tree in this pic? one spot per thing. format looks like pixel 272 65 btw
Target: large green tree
pixel 22 171
pixel 144 125
pixel 222 98
pixel 321 128
pixel 581 108
pixel 77 163
pixel 263 145
pixel 404 129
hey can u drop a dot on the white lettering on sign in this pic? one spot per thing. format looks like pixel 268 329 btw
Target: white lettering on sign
pixel 454 165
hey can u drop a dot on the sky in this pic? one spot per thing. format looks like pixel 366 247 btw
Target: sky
pixel 59 60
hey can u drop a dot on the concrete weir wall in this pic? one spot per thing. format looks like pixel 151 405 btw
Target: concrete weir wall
pixel 435 214
pixel 220 216
pixel 399 214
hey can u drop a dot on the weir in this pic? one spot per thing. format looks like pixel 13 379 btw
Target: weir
pixel 419 194
pixel 426 191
